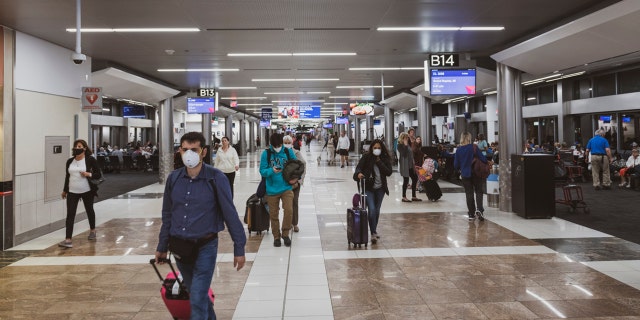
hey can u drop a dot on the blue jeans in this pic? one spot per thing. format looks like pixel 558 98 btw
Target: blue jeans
pixel 197 278
pixel 374 202
pixel 471 186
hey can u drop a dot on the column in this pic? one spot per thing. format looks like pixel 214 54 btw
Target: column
pixel 423 105
pixel 356 135
pixel 510 128
pixel 228 128
pixel 492 117
pixel 206 128
pixel 389 128
pixel 165 139
pixel 252 136
pixel 369 125
pixel 242 144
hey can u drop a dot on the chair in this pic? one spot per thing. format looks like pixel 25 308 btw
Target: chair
pixel 115 163
pixel 127 162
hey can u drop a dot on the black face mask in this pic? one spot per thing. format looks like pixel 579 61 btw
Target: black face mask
pixel 77 152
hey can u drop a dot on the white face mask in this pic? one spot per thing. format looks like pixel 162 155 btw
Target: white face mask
pixel 288 146
pixel 190 159
pixel 277 149
pixel 377 152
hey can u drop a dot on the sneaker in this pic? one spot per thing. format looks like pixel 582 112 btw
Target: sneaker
pixel 597 188
pixel 296 229
pixel 342 166
pixel 65 244
pixel 628 186
pixel 472 218
pixel 416 199
pixel 374 240
pixel 277 243
pixel 622 185
pixel 287 241
pixel 606 188
pixel 92 235
pixel 480 215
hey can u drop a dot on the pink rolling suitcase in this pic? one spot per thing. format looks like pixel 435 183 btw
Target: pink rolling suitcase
pixel 176 300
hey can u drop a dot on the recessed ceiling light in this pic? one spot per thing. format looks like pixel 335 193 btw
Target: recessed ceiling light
pixel 335 103
pixel 289 80
pixel 198 70
pixel 440 28
pixel 301 92
pixel 243 98
pixel 296 101
pixel 255 104
pixel 285 54
pixel 386 68
pixel 351 97
pixel 134 30
pixel 237 88
pixel 358 87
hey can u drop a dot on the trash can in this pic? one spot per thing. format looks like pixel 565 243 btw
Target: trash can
pixel 532 186
pixel 493 188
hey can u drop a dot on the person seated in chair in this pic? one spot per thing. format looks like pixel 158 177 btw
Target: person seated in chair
pixel 629 169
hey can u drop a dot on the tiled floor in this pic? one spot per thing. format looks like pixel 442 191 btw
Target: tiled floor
pixel 431 263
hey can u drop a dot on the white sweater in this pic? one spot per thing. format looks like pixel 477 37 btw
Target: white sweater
pixel 227 161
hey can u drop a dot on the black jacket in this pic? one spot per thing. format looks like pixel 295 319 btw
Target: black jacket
pixel 92 166
pixel 365 166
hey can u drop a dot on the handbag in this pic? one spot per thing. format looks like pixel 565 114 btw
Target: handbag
pixel 478 168
pixel 97 181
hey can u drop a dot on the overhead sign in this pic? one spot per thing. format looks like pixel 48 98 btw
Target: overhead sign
pixel 91 98
pixel 206 92
pixel 444 60
pixel 265 117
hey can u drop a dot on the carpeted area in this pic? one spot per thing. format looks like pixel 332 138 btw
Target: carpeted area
pixel 120 183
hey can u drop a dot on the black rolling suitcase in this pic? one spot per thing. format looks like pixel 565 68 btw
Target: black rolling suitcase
pixel 358 220
pixel 256 215
pixel 432 189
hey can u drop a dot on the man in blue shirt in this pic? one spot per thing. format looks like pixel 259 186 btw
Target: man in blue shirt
pixel 598 147
pixel 272 162
pixel 197 204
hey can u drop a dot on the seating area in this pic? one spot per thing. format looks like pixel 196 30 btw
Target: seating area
pixel 139 163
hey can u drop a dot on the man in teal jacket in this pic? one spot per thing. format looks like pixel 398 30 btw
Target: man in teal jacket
pixel 272 162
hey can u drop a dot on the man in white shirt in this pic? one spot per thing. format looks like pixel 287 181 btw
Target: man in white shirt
pixel 343 148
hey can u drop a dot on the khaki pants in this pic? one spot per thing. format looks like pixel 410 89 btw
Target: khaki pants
pixel 600 162
pixel 274 213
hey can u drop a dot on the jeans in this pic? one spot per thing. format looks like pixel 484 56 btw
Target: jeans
pixel 274 213
pixel 374 202
pixel 197 278
pixel 72 206
pixel 471 186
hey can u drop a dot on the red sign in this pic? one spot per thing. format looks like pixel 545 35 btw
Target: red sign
pixel 91 98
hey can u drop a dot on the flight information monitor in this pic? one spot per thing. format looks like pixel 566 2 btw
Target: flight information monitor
pixel 201 105
pixel 453 82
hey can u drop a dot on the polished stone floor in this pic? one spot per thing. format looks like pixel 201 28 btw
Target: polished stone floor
pixel 430 263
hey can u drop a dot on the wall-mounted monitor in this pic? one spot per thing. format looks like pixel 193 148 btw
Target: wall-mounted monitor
pixel 133 112
pixel 605 119
pixel 342 120
pixel 377 122
pixel 328 125
pixel 626 119
pixel 202 105
pixel 453 82
pixel 288 112
pixel 265 123
pixel 358 109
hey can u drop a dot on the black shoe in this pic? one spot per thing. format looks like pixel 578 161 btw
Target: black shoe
pixel 480 215
pixel 342 166
pixel 277 243
pixel 374 240
pixel 606 188
pixel 287 241
pixel 597 188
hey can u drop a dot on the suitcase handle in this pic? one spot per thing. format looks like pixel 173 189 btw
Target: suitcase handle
pixel 363 194
pixel 167 261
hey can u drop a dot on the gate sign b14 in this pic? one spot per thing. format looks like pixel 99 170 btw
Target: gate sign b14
pixel 444 60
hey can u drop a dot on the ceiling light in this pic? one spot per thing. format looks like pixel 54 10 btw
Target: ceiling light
pixel 197 70
pixel 490 92
pixel 440 28
pixel 296 101
pixel 359 87
pixel 386 68
pixel 134 30
pixel 289 80
pixel 573 74
pixel 300 92
pixel 531 98
pixel 243 98
pixel 281 54
pixel 254 104
pixel 237 88
pixel 335 103
pixel 351 97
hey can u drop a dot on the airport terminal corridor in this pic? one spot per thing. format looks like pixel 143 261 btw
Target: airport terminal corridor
pixel 430 263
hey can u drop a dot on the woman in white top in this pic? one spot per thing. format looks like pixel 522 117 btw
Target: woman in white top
pixel 632 162
pixel 227 161
pixel 80 168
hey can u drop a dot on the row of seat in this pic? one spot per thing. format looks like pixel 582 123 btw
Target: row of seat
pixel 139 163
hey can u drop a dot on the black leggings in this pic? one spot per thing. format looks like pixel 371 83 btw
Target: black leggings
pixel 414 182
pixel 72 206
pixel 231 177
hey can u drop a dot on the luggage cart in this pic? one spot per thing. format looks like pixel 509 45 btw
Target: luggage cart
pixel 572 197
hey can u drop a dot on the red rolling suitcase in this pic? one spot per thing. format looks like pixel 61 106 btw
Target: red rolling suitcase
pixel 173 292
pixel 358 219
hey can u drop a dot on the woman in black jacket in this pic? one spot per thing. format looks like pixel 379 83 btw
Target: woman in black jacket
pixel 374 167
pixel 80 168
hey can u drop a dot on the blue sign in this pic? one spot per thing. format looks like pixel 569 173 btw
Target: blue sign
pixel 453 82
pixel 309 111
pixel 265 117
